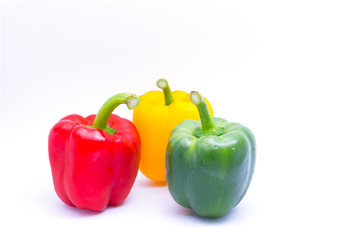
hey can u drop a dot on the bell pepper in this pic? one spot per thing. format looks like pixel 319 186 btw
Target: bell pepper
pixel 95 160
pixel 156 116
pixel 209 163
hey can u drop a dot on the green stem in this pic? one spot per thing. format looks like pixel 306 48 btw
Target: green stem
pixel 163 84
pixel 102 118
pixel 207 123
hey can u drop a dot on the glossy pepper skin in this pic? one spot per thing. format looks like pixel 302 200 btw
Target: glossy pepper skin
pixel 156 116
pixel 94 160
pixel 209 163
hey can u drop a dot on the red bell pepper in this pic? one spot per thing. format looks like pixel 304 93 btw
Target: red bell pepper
pixel 95 160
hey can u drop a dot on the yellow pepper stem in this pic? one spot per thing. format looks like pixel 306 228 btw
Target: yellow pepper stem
pixel 164 85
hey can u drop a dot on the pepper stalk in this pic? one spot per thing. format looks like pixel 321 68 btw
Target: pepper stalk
pixel 207 124
pixel 164 85
pixel 102 117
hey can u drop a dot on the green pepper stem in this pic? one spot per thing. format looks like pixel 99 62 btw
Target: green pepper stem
pixel 164 85
pixel 207 123
pixel 102 118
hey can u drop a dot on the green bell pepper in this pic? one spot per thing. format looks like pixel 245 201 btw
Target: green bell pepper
pixel 209 163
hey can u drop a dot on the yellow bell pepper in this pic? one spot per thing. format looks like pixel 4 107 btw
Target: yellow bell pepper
pixel 155 117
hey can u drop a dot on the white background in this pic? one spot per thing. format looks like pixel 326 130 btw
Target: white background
pixel 288 70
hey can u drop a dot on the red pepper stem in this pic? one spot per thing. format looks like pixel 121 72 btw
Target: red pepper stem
pixel 207 124
pixel 102 118
pixel 164 85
